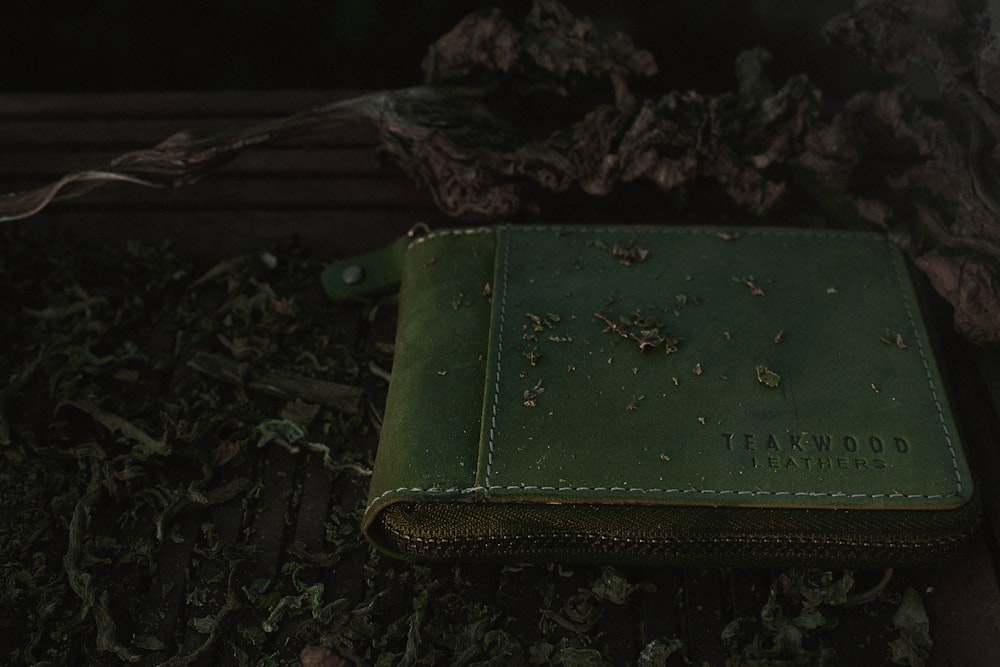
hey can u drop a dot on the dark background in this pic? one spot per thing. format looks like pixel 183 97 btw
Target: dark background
pixel 131 45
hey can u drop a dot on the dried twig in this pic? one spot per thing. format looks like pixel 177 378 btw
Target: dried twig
pixel 289 386
pixel 145 444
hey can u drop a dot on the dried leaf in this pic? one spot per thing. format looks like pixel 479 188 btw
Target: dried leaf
pixel 767 377
pixel 913 646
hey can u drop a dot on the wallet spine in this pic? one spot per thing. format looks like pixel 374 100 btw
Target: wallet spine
pixel 434 405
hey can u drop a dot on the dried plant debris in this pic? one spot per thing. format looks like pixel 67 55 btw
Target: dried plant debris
pixel 182 517
pixel 767 377
pixel 118 453
pixel 801 607
pixel 936 200
pixel 644 330
pixel 923 167
pixel 890 337
pixel 629 253
pixel 533 393
pixel 754 287
pixel 913 646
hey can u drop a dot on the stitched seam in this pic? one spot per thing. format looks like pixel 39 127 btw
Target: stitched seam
pixel 468 231
pixel 930 380
pixel 464 231
pixel 674 231
pixel 491 440
pixel 459 491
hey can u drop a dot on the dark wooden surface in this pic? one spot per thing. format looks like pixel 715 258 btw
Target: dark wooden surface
pixel 336 197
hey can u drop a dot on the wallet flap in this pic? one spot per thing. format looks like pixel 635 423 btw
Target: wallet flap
pixel 772 368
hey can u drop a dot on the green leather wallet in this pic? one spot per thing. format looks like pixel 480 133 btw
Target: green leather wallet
pixel 676 395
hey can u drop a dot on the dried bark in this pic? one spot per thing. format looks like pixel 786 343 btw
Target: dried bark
pixel 925 169
pixel 482 136
pixel 470 137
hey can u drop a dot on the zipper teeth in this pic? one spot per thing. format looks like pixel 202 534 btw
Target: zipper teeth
pixel 757 545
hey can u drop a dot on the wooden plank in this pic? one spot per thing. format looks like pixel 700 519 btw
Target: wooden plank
pixel 44 164
pixel 206 582
pixel 172 104
pixel 660 608
pixel 165 607
pixel 117 134
pixel 269 521
pixel 345 578
pixel 219 234
pixel 704 615
pixel 315 487
pixel 745 591
pixel 238 194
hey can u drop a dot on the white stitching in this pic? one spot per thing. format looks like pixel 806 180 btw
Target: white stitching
pixel 930 380
pixel 467 231
pixel 487 487
pixel 464 231
pixel 496 383
pixel 456 491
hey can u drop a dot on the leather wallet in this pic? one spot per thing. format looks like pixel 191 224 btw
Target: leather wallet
pixel 673 395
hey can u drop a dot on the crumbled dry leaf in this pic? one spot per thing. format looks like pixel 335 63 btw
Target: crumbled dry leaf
pixel 767 377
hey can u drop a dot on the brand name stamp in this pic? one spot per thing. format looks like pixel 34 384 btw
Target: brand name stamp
pixel 817 451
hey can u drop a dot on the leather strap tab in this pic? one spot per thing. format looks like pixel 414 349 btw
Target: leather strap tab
pixel 370 274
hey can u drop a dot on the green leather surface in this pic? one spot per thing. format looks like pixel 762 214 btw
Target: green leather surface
pixel 802 375
pixel 853 421
pixel 430 434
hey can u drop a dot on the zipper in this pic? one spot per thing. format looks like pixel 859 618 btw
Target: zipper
pixel 753 548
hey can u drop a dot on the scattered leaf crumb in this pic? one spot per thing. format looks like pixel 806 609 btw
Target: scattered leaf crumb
pixel 755 289
pixel 629 254
pixel 644 330
pixel 890 337
pixel 531 394
pixel 767 377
